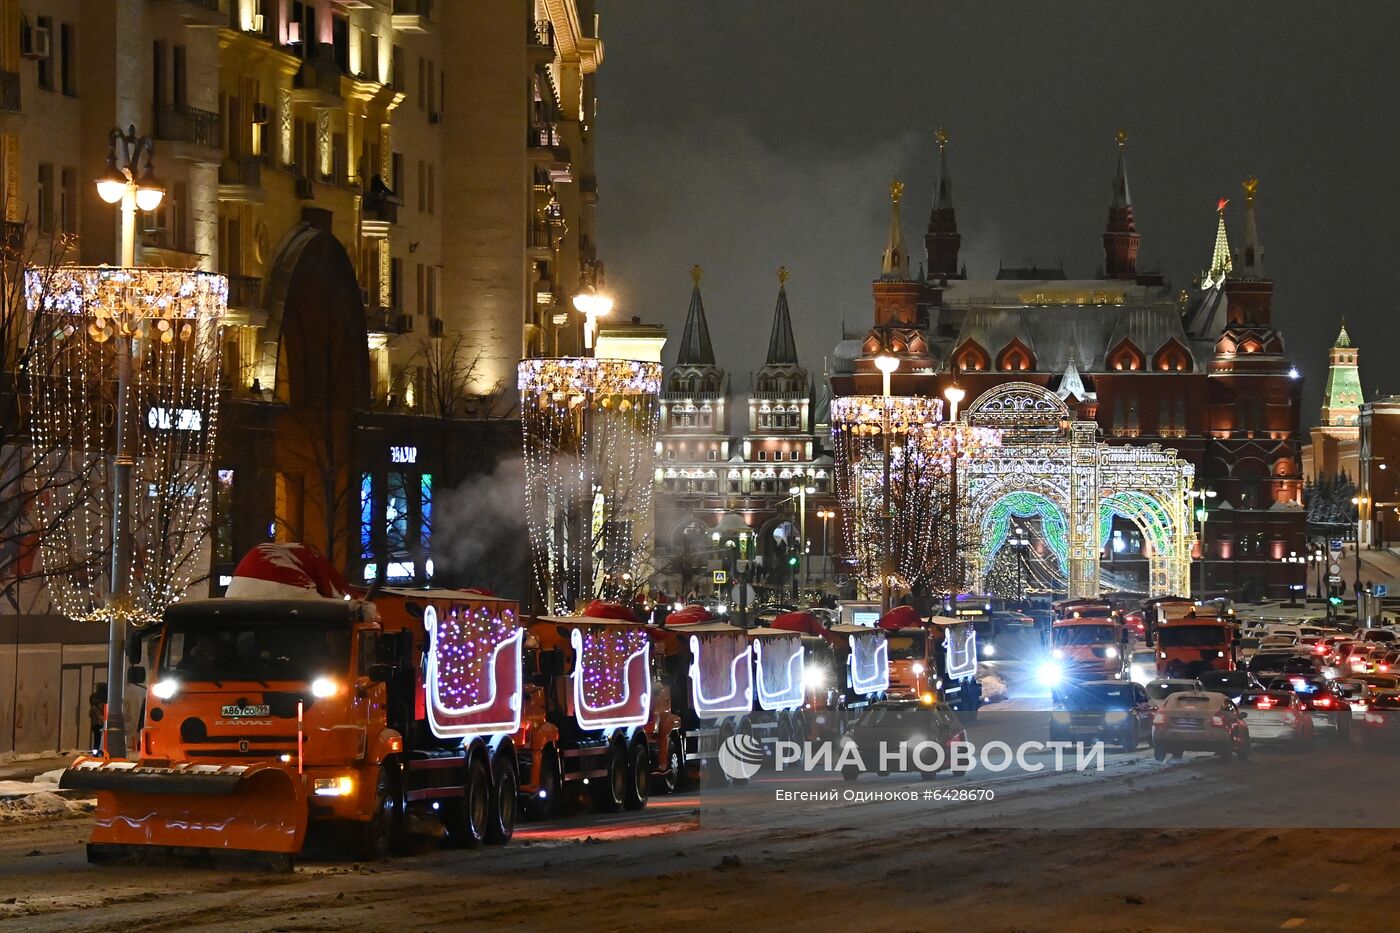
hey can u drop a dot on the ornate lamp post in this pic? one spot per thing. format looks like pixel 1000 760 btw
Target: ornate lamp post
pixel 593 305
pixel 1200 496
pixel 826 515
pixel 886 364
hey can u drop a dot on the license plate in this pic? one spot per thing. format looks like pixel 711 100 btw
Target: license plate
pixel 241 712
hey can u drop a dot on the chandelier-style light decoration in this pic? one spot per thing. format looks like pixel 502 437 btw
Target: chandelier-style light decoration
pixel 924 455
pixel 612 675
pixel 473 670
pixel 170 321
pixel 590 429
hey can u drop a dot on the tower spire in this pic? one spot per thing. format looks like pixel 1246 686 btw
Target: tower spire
pixel 782 348
pixel 1221 264
pixel 1252 258
pixel 1341 401
pixel 942 240
pixel 696 349
pixel 1120 238
pixel 895 262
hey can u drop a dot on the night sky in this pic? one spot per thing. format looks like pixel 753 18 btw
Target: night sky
pixel 747 135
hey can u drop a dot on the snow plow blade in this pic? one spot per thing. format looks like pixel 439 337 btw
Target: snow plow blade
pixel 211 807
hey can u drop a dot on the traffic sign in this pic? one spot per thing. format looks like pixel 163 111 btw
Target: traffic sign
pixel 1336 545
pixel 721 577
pixel 1334 578
pixel 1335 569
pixel 1379 589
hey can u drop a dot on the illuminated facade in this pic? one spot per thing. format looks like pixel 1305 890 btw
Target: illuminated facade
pixel 1200 371
pixel 724 497
pixel 1336 441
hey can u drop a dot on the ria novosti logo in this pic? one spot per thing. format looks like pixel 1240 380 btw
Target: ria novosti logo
pixel 740 756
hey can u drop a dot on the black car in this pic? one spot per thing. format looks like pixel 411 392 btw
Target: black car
pixel 1116 711
pixel 1234 684
pixel 895 725
pixel 1279 662
pixel 1380 725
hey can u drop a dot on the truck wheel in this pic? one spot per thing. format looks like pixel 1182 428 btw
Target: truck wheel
pixel 669 780
pixel 545 801
pixel 375 837
pixel 638 777
pixel 609 790
pixel 500 825
pixel 466 816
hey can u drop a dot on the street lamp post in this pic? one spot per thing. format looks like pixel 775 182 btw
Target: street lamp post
pixel 887 365
pixel 1199 496
pixel 1360 502
pixel 826 515
pixel 955 393
pixel 1020 544
pixel 800 493
pixel 127 182
pixel 593 306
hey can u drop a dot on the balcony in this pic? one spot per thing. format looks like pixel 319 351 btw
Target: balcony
pixel 382 205
pixel 382 320
pixel 240 179
pixel 539 42
pixel 545 145
pixel 245 292
pixel 202 12
pixel 413 15
pixel 197 134
pixel 540 240
pixel 318 80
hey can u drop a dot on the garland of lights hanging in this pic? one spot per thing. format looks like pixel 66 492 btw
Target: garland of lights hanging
pixel 171 319
pixel 590 429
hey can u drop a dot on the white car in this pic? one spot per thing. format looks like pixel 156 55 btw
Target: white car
pixel 1377 635
pixel 1159 690
pixel 1277 716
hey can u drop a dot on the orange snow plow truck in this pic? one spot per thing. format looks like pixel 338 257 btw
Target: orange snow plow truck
pixel 291 703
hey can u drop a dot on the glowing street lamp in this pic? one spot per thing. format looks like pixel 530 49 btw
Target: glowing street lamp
pixel 122 184
pixel 954 394
pixel 593 306
pixel 886 364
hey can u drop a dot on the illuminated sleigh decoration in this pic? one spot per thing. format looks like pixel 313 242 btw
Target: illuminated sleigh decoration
pixel 473 672
pixel 612 676
pixel 721 672
pixel 781 669
pixel 869 662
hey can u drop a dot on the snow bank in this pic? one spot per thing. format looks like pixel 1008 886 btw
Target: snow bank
pixel 994 689
pixel 37 805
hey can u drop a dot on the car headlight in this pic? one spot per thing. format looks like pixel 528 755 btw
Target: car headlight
pixel 165 688
pixel 1110 652
pixel 323 687
pixel 1050 674
pixel 1115 716
pixel 917 667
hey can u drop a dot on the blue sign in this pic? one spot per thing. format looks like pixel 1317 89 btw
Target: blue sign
pixel 1336 544
pixel 1378 589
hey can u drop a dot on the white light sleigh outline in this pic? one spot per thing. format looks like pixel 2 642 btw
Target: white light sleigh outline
pixel 504 673
pixel 739 699
pixel 791 694
pixel 869 667
pixel 636 680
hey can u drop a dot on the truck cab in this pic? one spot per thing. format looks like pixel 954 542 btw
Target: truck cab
pixel 1193 644
pixel 1087 642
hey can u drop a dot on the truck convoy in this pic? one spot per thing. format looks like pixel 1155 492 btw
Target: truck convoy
pixel 934 658
pixel 292 704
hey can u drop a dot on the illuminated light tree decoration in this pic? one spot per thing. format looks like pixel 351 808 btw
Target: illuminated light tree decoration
pixel 473 671
pixel 612 676
pixel 923 454
pixel 590 429
pixel 170 319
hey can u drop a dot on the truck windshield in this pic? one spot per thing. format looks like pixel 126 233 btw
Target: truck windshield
pixel 1083 635
pixel 906 647
pixel 255 651
pixel 1191 636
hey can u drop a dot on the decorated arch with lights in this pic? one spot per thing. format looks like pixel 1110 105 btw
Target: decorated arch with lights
pixel 1053 469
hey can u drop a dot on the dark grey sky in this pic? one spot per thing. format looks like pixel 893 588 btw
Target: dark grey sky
pixel 747 135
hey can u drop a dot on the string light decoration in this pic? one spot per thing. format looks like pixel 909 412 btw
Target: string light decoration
pixel 170 319
pixel 612 676
pixel 589 429
pixel 473 671
pixel 868 667
pixel 1053 469
pixel 780 660
pixel 924 453
pixel 721 674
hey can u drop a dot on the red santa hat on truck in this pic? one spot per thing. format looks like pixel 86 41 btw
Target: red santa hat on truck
pixel 286 571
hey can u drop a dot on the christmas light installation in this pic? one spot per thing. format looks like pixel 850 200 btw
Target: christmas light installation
pixel 612 676
pixel 473 671
pixel 721 674
pixel 589 428
pixel 166 321
pixel 781 671
pixel 1052 468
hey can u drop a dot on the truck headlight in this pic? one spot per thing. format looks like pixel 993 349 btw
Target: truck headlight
pixel 814 678
pixel 1050 674
pixel 323 687
pixel 1057 653
pixel 1110 652
pixel 342 786
pixel 917 667
pixel 165 688
pixel 989 650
